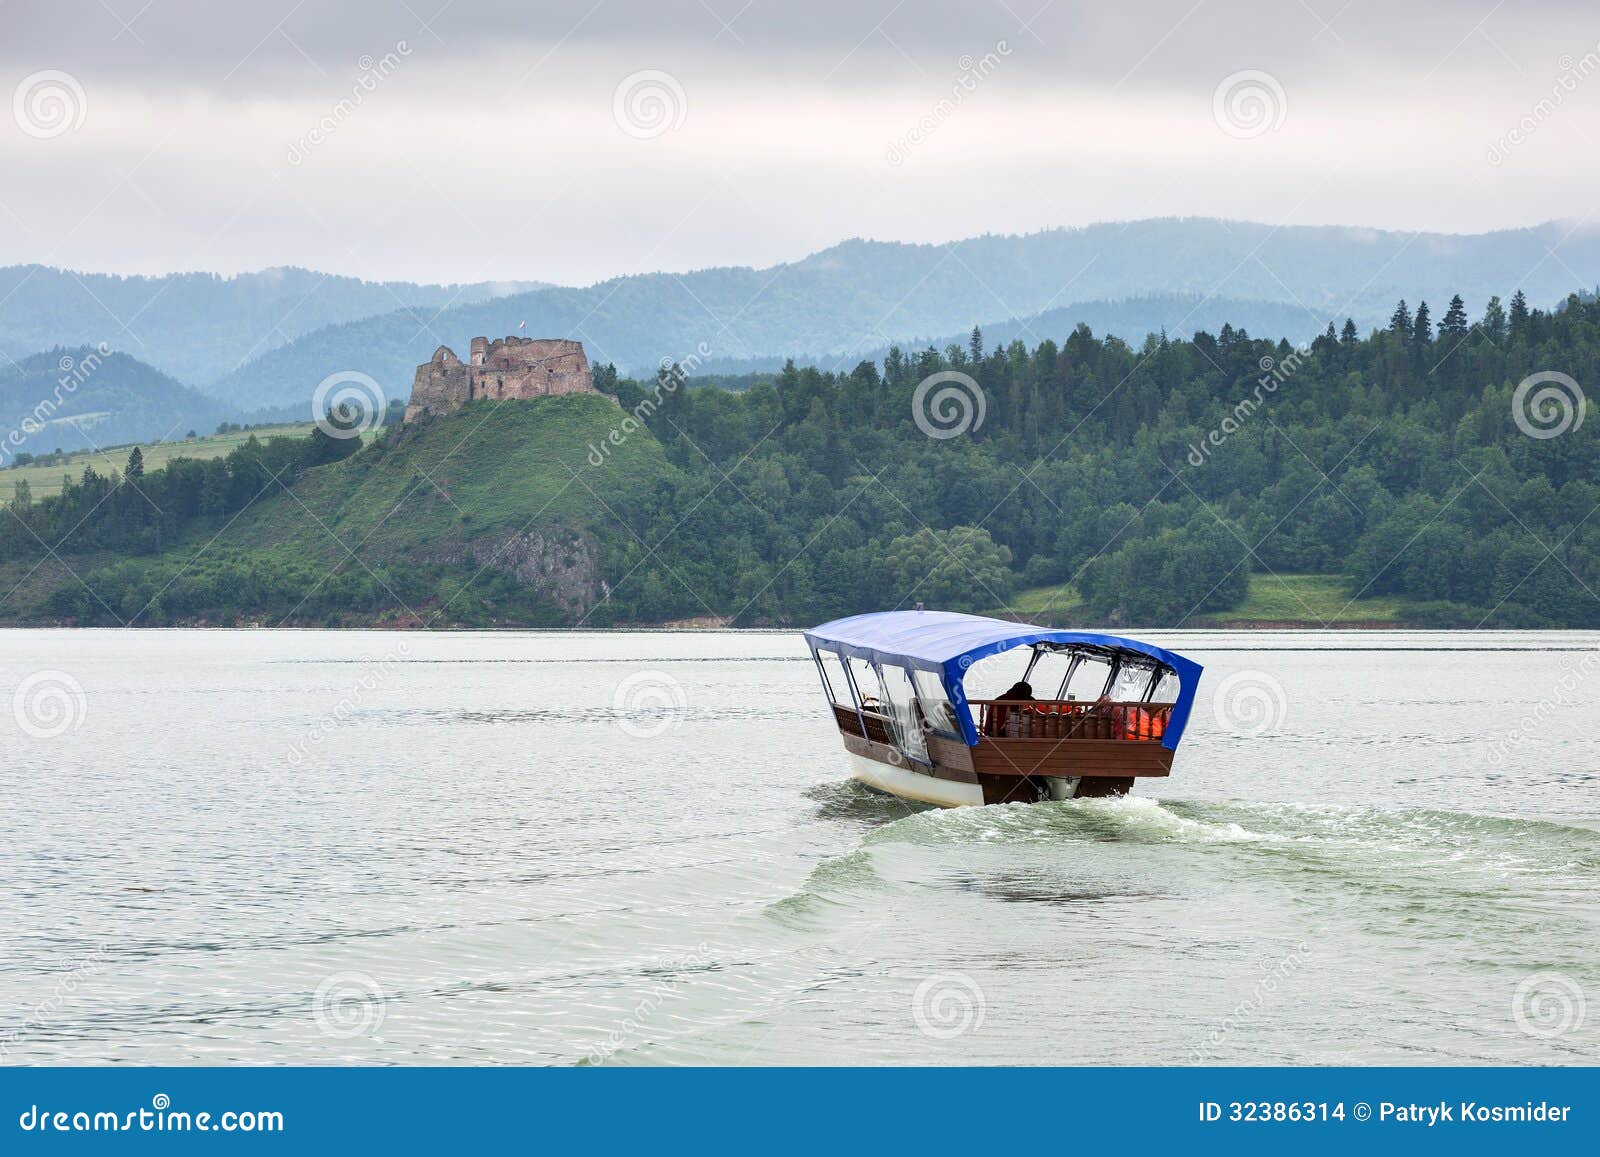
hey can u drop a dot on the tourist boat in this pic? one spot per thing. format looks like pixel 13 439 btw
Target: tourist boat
pixel 897 683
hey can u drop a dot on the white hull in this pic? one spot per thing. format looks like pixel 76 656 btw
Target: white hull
pixel 914 785
pixel 923 788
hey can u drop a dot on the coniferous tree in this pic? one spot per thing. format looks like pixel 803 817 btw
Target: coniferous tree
pixel 1454 325
pixel 1348 334
pixel 975 344
pixel 1494 320
pixel 1400 320
pixel 1519 314
pixel 1422 332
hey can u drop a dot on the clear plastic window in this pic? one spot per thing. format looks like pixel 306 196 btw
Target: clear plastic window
pixel 902 707
pixel 1166 687
pixel 1130 684
pixel 935 704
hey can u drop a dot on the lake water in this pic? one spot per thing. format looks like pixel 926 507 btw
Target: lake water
pixel 642 848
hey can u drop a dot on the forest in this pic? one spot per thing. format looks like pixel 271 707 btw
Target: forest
pixel 1444 461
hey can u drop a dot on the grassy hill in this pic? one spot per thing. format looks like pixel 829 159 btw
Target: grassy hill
pixel 1272 600
pixel 489 468
pixel 44 478
pixel 493 514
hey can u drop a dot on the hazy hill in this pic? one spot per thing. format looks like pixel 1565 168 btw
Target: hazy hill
pixel 199 326
pixel 1172 313
pixel 858 297
pixel 74 399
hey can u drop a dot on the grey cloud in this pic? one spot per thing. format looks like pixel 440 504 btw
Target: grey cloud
pixel 253 45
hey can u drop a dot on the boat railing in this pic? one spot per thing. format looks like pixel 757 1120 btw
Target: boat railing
pixel 1071 719
pixel 879 726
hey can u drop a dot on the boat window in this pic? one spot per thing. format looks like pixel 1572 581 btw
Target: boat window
pixel 835 680
pixel 1048 673
pixel 868 685
pixel 994 674
pixel 1130 684
pixel 1089 680
pixel 901 695
pixel 935 704
pixel 1166 687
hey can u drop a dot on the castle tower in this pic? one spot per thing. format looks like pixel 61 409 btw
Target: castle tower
pixel 480 350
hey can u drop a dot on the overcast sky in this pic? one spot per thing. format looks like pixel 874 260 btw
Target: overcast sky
pixel 457 140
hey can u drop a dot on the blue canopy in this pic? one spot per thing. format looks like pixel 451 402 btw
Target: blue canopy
pixel 947 644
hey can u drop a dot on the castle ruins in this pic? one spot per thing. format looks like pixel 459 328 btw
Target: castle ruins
pixel 510 367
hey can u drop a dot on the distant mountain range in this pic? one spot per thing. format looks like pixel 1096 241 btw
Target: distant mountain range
pixel 1172 313
pixel 198 327
pixel 858 297
pixel 261 342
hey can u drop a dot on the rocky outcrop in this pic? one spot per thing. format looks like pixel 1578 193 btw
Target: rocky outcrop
pixel 563 566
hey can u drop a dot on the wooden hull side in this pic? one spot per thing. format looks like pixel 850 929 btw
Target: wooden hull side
pixel 1003 771
pixel 1116 758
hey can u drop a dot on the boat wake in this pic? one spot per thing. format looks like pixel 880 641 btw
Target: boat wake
pixel 1508 843
pixel 1130 819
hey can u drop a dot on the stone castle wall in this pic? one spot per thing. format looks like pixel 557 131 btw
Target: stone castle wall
pixel 510 367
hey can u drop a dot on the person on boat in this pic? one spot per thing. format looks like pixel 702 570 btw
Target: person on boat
pixel 1019 692
pixel 1130 720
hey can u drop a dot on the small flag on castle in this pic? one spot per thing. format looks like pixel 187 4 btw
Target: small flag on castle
pixel 521 324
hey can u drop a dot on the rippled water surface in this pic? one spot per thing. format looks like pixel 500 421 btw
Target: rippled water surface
pixel 642 848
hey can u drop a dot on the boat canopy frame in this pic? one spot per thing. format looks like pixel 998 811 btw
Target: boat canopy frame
pixel 947 644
